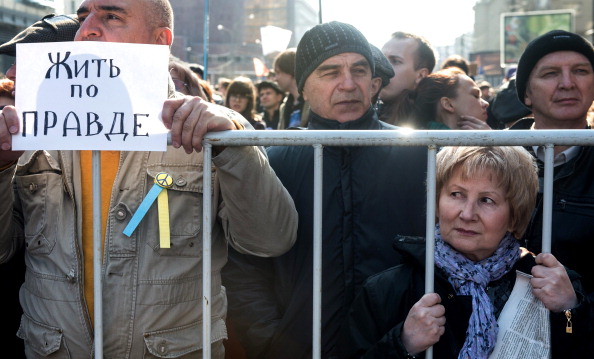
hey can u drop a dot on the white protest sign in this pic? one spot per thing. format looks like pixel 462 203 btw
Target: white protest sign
pixel 91 95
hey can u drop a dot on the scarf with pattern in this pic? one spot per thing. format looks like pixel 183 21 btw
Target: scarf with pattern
pixel 471 278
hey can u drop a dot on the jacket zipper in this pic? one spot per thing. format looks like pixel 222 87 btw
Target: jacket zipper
pixel 79 258
pixel 563 203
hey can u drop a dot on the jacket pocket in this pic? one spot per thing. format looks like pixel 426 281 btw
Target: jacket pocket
pixel 185 211
pixel 181 341
pixel 39 195
pixel 577 206
pixel 42 340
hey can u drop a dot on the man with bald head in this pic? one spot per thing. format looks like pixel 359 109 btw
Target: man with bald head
pixel 152 296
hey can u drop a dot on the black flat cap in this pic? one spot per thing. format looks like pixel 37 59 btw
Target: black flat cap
pixel 52 28
pixel 271 85
pixel 383 68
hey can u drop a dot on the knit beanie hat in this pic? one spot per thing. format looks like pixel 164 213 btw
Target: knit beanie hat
pixel 552 41
pixel 324 41
pixel 383 68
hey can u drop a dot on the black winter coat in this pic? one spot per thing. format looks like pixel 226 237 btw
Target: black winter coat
pixel 369 195
pixel 374 325
pixel 573 214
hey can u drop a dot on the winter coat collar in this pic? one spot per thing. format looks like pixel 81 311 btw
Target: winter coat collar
pixel 369 121
pixel 413 251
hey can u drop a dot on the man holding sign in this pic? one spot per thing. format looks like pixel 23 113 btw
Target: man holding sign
pixel 151 295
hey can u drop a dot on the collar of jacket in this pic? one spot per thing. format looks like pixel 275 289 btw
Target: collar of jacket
pixel 561 171
pixel 413 251
pixel 527 122
pixel 369 121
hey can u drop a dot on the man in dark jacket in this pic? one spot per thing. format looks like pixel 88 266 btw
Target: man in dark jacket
pixel 555 79
pixel 369 195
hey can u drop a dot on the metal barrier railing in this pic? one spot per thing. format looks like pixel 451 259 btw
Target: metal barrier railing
pixel 320 138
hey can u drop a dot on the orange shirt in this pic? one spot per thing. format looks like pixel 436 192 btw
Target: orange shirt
pixel 110 161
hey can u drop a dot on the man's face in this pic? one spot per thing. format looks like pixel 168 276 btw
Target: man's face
pixel 341 87
pixel 401 54
pixel 560 90
pixel 283 79
pixel 270 99
pixel 117 21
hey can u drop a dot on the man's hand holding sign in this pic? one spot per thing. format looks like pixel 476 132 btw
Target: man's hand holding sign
pixel 190 118
pixel 9 126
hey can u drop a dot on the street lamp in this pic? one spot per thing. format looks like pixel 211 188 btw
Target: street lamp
pixel 228 48
pixel 221 27
pixel 188 53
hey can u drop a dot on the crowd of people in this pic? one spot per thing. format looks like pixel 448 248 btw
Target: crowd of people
pixel 489 207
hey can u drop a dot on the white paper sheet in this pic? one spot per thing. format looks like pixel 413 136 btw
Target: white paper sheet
pixel 524 326
pixel 91 96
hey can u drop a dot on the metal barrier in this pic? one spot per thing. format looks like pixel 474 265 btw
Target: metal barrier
pixel 318 139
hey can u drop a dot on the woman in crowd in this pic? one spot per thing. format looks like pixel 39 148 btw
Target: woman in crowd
pixel 485 196
pixel 446 99
pixel 241 97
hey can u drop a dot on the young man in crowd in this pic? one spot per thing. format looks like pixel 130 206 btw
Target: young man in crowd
pixel 271 97
pixel 294 111
pixel 412 58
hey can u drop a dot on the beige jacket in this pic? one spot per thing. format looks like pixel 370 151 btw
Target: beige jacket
pixel 152 297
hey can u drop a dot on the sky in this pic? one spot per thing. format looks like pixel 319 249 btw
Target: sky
pixel 440 21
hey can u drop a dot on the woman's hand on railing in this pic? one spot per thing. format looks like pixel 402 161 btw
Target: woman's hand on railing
pixel 424 324
pixel 551 284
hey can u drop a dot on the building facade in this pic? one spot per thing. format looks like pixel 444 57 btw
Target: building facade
pixel 487 39
pixel 234 31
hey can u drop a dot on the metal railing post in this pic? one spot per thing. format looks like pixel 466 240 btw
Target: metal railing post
pixel 430 230
pixel 547 211
pixel 97 255
pixel 317 252
pixel 206 249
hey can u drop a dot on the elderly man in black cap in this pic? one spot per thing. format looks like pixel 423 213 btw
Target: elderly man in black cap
pixel 369 195
pixel 555 79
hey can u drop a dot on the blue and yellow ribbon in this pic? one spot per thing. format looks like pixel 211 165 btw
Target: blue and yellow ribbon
pixel 158 191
